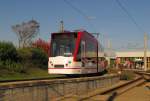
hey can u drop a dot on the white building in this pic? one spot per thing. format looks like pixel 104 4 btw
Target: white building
pixel 135 56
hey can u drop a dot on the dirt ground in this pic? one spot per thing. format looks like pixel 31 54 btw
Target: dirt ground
pixel 140 93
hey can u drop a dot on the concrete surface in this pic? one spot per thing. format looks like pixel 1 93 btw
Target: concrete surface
pixel 50 90
pixel 140 93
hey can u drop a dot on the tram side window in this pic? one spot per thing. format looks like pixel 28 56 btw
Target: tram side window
pixel 54 49
pixel 79 54
pixel 90 50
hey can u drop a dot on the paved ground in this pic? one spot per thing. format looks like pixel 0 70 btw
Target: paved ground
pixel 140 93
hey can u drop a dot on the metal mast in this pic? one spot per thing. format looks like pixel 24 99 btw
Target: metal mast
pixel 61 26
pixel 145 51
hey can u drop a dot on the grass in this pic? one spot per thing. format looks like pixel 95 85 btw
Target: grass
pixel 112 70
pixel 30 74
pixel 127 75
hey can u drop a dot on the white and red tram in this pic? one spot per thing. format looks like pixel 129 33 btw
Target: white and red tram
pixel 73 53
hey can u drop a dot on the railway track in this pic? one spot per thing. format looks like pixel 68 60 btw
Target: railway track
pixel 53 89
pixel 145 75
pixel 111 93
pixel 106 94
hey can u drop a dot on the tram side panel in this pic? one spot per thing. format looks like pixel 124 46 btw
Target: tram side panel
pixel 88 48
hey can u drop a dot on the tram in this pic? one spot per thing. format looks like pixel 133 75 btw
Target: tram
pixel 74 53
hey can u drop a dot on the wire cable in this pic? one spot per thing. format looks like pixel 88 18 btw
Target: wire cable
pixel 86 17
pixel 130 16
pixel 80 12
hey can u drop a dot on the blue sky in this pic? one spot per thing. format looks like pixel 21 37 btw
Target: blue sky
pixel 108 19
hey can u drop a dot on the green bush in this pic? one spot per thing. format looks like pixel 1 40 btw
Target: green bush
pixel 24 55
pixel 9 58
pixel 127 75
pixel 33 57
pixel 8 52
pixel 12 66
pixel 39 57
pixel 15 67
pixel 1 64
pixel 21 59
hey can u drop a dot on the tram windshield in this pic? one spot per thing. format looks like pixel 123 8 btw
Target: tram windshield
pixel 63 44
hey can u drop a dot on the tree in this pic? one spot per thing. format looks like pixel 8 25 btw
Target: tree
pixel 42 44
pixel 26 32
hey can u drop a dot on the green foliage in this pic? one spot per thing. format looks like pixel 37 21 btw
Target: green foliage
pixel 8 52
pixel 12 66
pixel 39 57
pixel 22 59
pixel 32 73
pixel 112 62
pixel 127 75
pixel 24 54
pixel 33 57
pixel 9 58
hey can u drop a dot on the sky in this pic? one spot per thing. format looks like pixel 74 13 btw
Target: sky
pixel 103 16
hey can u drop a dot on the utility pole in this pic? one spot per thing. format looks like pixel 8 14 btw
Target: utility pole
pixel 109 48
pixel 109 44
pixel 145 51
pixel 61 26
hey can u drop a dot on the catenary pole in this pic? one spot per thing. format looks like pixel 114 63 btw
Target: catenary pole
pixel 145 51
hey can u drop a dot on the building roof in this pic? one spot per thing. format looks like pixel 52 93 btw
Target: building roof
pixel 110 53
pixel 132 54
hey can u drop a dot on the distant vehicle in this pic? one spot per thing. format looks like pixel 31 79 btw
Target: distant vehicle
pixel 74 53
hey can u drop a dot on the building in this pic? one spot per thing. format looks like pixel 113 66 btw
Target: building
pixel 110 57
pixel 134 57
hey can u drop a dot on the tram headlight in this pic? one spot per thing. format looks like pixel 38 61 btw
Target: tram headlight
pixel 69 62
